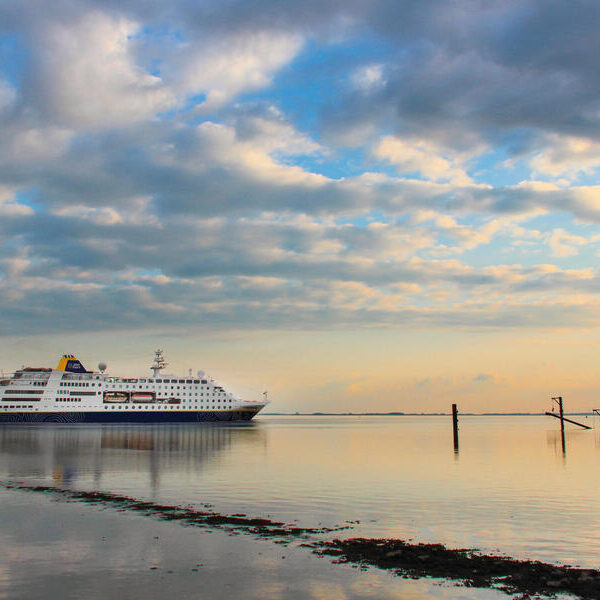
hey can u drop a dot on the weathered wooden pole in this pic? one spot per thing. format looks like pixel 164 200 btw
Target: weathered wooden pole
pixel 561 413
pixel 561 416
pixel 455 426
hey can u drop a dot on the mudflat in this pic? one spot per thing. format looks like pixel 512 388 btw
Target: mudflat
pixel 465 567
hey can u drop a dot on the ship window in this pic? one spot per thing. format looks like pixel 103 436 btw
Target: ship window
pixel 182 381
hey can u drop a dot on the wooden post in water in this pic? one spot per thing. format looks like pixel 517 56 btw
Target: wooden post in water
pixel 561 413
pixel 561 416
pixel 455 426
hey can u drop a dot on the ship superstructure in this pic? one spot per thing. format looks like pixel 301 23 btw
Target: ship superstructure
pixel 72 394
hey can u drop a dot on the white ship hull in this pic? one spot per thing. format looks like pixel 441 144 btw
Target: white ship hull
pixel 70 394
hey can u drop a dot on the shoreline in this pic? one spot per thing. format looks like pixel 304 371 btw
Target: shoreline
pixel 403 414
pixel 464 567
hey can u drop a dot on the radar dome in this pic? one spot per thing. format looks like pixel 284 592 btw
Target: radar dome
pixel 102 366
pixel 200 374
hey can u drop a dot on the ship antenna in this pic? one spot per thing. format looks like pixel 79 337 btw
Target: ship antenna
pixel 159 363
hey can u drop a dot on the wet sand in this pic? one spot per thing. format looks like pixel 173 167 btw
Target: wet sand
pixel 187 516
pixel 54 549
pixel 465 567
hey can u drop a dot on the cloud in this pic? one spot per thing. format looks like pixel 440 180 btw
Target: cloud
pixel 564 244
pixel 422 157
pixel 298 164
pixel 10 205
pixel 369 77
pixel 566 156
pixel 8 95
pixel 222 67
pixel 85 73
pixel 266 271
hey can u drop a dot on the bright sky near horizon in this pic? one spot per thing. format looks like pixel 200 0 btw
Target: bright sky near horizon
pixel 384 205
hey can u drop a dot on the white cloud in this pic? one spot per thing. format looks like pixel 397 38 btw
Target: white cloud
pixel 255 159
pixel 564 244
pixel 566 156
pixel 10 206
pixel 134 210
pixel 424 157
pixel 369 77
pixel 223 67
pixel 88 76
pixel 35 144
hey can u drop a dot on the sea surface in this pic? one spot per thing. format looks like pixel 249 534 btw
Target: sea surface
pixel 511 488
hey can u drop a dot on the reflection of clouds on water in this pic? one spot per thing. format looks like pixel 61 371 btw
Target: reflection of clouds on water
pixel 63 454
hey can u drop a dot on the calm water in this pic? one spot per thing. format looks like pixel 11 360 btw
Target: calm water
pixel 510 488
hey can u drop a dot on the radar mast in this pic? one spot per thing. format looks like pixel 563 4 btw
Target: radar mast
pixel 159 363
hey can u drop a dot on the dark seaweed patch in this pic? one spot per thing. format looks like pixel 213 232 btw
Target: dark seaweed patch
pixel 467 566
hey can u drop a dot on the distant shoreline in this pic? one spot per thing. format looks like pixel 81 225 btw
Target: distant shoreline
pixel 403 414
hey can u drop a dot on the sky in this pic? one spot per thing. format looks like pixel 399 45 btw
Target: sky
pixel 389 205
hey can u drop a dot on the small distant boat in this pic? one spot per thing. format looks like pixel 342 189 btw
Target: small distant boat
pixel 72 394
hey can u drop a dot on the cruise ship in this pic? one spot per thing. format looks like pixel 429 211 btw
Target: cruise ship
pixel 72 394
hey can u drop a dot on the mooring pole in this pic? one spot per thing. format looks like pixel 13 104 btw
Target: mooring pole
pixel 561 416
pixel 455 426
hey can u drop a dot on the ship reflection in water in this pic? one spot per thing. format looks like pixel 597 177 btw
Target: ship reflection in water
pixel 79 456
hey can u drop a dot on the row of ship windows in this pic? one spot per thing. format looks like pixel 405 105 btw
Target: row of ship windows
pixel 196 381
pixel 131 387
pixel 12 399
pixel 82 393
pixel 105 408
pixel 160 388
pixel 85 384
pixel 151 407
pixel 196 394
